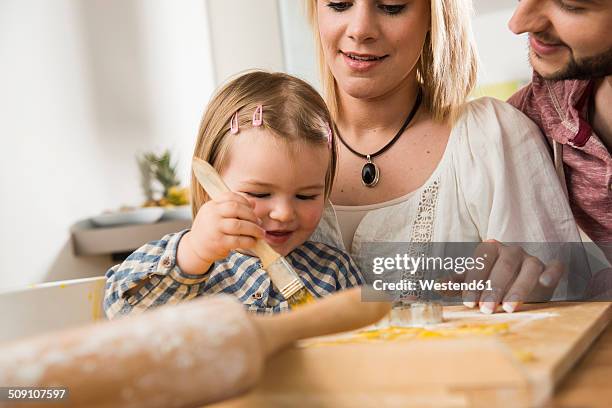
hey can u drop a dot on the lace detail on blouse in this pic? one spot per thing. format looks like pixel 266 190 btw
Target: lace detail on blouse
pixel 422 228
pixel 421 237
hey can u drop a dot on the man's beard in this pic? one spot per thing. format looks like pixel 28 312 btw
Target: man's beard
pixel 597 66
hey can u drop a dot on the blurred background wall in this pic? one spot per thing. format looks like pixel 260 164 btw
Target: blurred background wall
pixel 86 85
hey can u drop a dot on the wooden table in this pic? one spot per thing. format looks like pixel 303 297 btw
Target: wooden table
pixel 589 383
pixel 554 343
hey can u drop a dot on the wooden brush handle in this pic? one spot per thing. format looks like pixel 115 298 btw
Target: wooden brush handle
pixel 213 184
pixel 209 179
pixel 265 253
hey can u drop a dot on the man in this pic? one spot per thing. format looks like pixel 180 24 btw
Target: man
pixel 570 98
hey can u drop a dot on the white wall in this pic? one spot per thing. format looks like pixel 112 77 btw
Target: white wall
pixel 503 55
pixel 487 6
pixel 245 34
pixel 298 42
pixel 85 86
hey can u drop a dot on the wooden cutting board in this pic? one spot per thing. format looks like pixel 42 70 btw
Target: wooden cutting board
pixel 470 360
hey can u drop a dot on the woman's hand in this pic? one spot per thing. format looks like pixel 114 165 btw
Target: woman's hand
pixel 515 277
pixel 219 227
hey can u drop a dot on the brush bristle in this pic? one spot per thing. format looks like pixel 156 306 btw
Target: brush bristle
pixel 300 298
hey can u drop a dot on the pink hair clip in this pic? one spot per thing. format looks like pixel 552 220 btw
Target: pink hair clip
pixel 330 136
pixel 234 128
pixel 258 116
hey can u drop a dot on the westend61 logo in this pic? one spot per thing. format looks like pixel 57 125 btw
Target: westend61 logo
pixel 412 264
pixel 433 265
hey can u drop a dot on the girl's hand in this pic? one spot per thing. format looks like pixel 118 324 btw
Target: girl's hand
pixel 219 227
pixel 515 277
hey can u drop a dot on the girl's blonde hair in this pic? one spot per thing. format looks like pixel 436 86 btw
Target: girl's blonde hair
pixel 292 110
pixel 448 65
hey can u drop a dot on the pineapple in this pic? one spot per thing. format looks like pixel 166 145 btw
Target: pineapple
pixel 163 171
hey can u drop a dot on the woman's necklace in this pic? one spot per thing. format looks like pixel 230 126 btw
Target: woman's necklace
pixel 370 174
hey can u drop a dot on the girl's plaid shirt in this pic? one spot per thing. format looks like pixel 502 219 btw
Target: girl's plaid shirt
pixel 323 269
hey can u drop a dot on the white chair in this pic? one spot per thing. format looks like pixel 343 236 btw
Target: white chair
pixel 50 306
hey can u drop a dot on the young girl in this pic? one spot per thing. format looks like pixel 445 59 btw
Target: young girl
pixel 269 137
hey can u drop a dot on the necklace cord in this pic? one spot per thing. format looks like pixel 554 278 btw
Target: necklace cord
pixel 415 108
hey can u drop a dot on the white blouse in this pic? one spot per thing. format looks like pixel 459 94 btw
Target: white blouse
pixel 495 180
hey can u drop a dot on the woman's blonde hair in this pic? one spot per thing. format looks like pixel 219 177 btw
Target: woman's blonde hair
pixel 448 65
pixel 292 110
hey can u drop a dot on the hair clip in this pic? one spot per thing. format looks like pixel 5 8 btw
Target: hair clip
pixel 258 116
pixel 330 136
pixel 234 128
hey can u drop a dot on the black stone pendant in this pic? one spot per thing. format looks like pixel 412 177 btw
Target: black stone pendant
pixel 369 174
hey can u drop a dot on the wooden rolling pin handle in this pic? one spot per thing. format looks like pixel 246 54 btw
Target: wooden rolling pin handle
pixel 343 311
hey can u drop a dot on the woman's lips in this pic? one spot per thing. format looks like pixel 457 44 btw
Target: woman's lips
pixel 361 65
pixel 278 237
pixel 543 49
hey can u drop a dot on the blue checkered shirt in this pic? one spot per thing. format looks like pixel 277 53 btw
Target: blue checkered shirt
pixel 323 269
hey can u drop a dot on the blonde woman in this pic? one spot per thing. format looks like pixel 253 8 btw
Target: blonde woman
pixel 419 163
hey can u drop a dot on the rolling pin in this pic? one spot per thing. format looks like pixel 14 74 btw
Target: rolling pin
pixel 185 355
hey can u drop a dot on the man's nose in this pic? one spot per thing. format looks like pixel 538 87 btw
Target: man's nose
pixel 529 17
